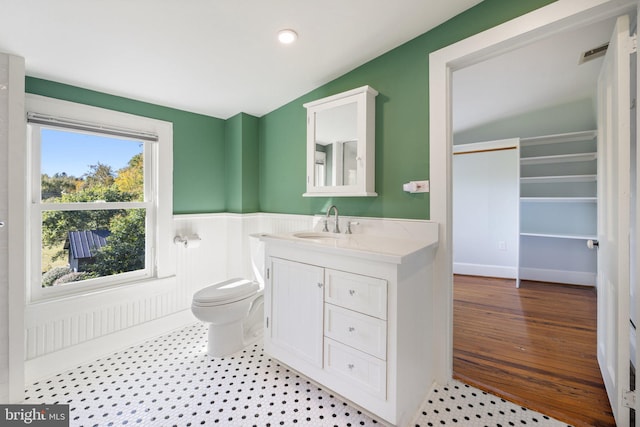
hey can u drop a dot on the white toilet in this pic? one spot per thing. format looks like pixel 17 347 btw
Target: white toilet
pixel 234 309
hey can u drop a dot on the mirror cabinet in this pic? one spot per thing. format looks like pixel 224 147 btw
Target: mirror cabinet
pixel 341 144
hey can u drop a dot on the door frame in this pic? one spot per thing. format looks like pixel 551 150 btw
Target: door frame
pixel 563 15
pixel 16 227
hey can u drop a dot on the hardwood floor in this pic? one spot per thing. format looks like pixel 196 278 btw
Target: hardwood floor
pixel 535 346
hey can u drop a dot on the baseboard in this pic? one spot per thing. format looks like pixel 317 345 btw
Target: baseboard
pixel 558 276
pixel 71 357
pixel 484 270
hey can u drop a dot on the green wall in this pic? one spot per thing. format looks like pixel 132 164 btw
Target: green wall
pixel 241 140
pixel 198 144
pixel 402 128
pixel 246 164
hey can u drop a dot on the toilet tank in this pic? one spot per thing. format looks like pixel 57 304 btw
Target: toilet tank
pixel 256 252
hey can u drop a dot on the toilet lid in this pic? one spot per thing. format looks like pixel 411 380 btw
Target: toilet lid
pixel 227 291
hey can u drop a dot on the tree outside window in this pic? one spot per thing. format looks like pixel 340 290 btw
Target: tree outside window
pixel 93 223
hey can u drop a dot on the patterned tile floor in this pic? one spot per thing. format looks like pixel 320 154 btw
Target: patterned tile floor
pixel 171 381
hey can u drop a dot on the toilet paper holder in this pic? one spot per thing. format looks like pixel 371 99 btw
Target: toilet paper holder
pixel 189 241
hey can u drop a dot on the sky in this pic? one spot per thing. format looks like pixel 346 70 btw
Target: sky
pixel 73 152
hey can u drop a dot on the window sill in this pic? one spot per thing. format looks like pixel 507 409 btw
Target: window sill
pixel 93 298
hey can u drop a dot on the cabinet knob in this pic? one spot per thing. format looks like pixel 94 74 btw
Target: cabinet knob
pixel 352 292
pixel 351 329
pixel 351 366
pixel 593 244
pixel 319 284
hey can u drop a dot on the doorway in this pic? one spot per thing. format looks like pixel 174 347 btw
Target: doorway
pixel 541 119
pixel 553 19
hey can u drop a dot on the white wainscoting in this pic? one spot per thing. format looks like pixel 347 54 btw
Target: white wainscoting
pixel 64 333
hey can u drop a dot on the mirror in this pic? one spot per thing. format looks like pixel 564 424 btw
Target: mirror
pixel 336 146
pixel 341 144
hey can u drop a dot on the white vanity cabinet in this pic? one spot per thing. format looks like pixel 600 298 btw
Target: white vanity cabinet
pixel 358 324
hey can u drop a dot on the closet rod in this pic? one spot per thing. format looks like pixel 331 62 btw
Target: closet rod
pixel 486 150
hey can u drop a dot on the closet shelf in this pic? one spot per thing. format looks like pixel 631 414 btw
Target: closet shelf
pixel 559 138
pixel 557 179
pixel 559 199
pixel 558 210
pixel 560 236
pixel 562 158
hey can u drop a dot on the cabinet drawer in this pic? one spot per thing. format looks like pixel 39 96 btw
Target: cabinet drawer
pixel 364 294
pixel 357 330
pixel 364 371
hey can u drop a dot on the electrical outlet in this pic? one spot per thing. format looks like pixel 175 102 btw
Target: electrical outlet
pixel 421 186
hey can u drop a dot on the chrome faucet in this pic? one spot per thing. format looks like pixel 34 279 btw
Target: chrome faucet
pixel 336 228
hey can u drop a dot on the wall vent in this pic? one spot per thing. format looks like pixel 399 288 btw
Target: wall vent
pixel 594 53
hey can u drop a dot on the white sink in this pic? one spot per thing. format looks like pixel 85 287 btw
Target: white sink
pixel 374 247
pixel 318 235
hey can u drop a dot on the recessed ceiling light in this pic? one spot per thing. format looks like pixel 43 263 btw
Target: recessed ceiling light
pixel 287 36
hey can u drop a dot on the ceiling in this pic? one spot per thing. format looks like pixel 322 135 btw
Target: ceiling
pixel 215 57
pixel 540 75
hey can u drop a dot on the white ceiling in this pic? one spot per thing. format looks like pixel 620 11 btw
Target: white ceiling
pixel 540 75
pixel 216 57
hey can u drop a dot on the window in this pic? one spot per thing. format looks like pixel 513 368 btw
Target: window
pixel 97 218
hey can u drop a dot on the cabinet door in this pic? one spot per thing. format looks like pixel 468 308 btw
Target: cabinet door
pixel 296 312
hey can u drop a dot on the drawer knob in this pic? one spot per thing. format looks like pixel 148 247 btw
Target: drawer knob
pixel 351 329
pixel 352 292
pixel 351 366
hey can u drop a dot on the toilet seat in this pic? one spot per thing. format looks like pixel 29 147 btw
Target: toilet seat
pixel 225 292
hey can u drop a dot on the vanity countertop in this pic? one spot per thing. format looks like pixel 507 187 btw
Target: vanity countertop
pixel 370 246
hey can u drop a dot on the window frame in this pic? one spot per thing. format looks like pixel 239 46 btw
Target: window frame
pixel 158 182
